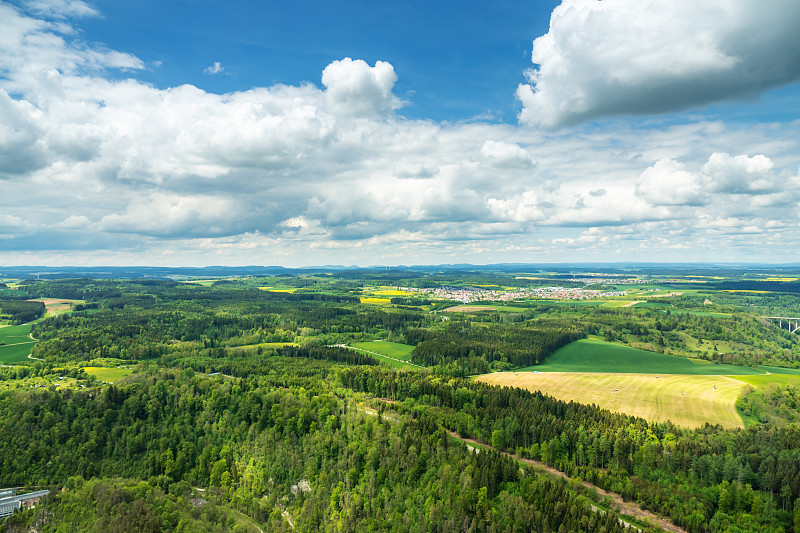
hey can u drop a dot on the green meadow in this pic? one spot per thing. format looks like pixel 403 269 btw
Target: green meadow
pixel 389 349
pixel 16 344
pixel 108 374
pixel 590 355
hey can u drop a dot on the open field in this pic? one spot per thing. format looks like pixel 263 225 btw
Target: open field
pixel 396 363
pixel 15 353
pixel 55 306
pixel 278 289
pixel 779 370
pixel 389 349
pixel 375 301
pixel 766 379
pixel 16 343
pixel 686 400
pixel 108 374
pixel 590 355
pixel 386 291
pixel 468 308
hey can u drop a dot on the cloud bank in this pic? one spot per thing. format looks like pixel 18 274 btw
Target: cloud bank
pixel 98 167
pixel 639 57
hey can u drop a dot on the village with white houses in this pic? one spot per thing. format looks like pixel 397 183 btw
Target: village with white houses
pixel 475 294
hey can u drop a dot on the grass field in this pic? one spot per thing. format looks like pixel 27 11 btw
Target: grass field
pixel 108 374
pixel 590 355
pixel 762 380
pixel 389 349
pixel 686 400
pixel 654 305
pixel 17 344
pixel 779 370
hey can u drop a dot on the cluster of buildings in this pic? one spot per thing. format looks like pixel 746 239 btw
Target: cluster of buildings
pixel 10 501
pixel 607 280
pixel 474 294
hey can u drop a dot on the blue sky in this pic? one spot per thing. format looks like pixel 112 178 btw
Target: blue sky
pixel 459 59
pixel 307 133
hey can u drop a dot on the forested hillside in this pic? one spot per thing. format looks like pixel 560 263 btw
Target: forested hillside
pixel 239 405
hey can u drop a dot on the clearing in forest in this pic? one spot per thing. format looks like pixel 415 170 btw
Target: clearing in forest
pixel 55 306
pixel 107 374
pixel 686 400
pixel 389 349
pixel 391 353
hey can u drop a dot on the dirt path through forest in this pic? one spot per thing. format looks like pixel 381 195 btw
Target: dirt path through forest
pixel 619 505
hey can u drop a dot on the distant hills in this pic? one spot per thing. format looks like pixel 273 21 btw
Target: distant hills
pixel 161 272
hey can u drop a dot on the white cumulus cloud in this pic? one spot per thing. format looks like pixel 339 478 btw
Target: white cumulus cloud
pixel 668 183
pixel 740 174
pixel 611 57
pixel 353 87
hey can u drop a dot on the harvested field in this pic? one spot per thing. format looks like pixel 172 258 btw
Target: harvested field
pixel 56 305
pixel 686 400
pixel 470 308
pixel 631 304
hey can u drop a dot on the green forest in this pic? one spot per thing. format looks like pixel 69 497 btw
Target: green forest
pixel 241 407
